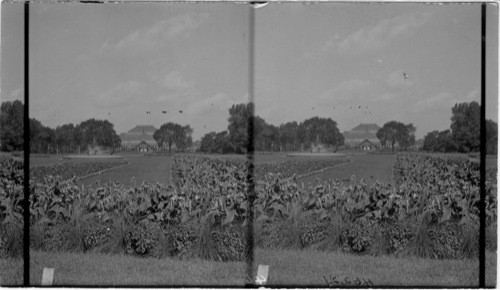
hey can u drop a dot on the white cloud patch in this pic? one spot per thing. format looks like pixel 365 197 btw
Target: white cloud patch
pixel 17 94
pixel 473 96
pixel 219 101
pixel 352 86
pixel 175 86
pixel 156 36
pixel 348 90
pixel 121 94
pixel 443 100
pixel 378 36
pixel 175 81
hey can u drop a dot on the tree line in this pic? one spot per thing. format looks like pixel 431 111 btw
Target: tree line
pixel 66 138
pixel 245 129
pixel 464 134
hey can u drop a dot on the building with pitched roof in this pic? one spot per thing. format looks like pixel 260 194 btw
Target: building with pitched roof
pixel 363 136
pixel 140 138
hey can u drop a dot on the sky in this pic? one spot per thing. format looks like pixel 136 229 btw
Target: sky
pixel 354 63
pixel 371 63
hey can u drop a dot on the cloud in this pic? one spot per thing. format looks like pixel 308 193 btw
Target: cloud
pixel 122 94
pixel 438 101
pixel 17 94
pixel 174 81
pixel 443 100
pixel 350 86
pixel 157 36
pixel 377 37
pixel 473 96
pixel 219 101
pixel 175 86
pixel 83 58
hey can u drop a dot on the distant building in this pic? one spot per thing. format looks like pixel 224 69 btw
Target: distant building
pixel 140 138
pixel 363 136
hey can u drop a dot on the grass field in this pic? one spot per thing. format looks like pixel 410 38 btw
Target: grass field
pixel 40 161
pixel 152 169
pixel 71 269
pixel 11 272
pixel 279 157
pixel 369 167
pixel 309 268
pixel 291 268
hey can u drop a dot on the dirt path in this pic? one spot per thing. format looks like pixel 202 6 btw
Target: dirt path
pixel 370 167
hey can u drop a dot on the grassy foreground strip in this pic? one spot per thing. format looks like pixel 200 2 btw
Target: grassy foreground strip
pixel 310 268
pixel 11 272
pixel 72 269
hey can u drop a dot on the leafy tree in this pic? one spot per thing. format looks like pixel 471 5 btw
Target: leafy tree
pixel 430 141
pixel 320 131
pixel 12 126
pixel 207 144
pixel 288 136
pixel 240 117
pixel 394 131
pixel 408 139
pixel 65 138
pixel 491 137
pixel 96 132
pixel 465 126
pixel 172 133
pixel 439 141
pixel 266 135
pixel 446 142
pixel 42 139
pixel 216 143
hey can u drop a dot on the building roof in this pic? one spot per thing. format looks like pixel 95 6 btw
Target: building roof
pixel 360 136
pixel 141 133
pixel 134 137
pixel 143 129
pixel 366 127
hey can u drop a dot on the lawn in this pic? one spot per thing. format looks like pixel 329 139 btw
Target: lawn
pixel 152 169
pixel 11 272
pixel 310 268
pixel 371 167
pixel 286 268
pixel 58 159
pixel 279 157
pixel 89 269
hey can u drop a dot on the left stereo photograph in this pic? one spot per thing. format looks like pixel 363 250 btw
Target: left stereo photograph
pixel 122 98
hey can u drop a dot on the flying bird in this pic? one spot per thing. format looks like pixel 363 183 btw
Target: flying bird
pixel 148 112
pixel 405 75
pixel 163 112
pixel 180 111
